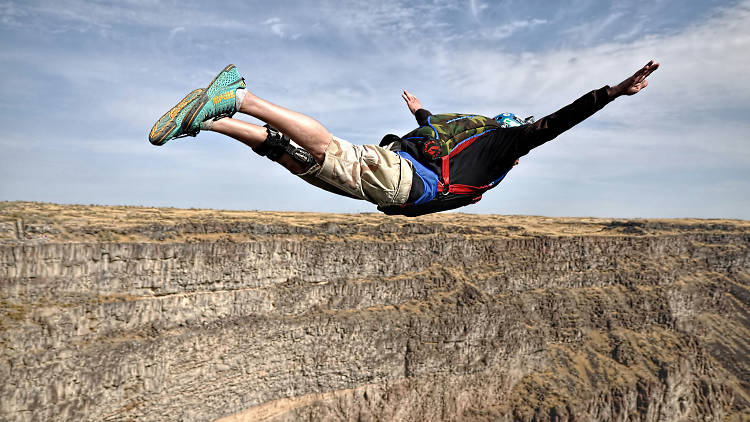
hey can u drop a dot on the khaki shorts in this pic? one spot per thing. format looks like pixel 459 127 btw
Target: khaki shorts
pixel 368 172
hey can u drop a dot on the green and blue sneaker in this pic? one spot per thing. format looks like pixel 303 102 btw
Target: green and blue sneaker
pixel 170 125
pixel 216 101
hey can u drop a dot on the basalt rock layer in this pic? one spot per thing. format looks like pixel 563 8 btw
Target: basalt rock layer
pixel 125 313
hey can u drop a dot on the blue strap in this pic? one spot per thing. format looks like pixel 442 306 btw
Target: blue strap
pixel 428 177
pixel 499 179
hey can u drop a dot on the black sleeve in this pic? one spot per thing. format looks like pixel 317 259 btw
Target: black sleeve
pixel 509 144
pixel 421 115
pixel 549 127
pixel 518 141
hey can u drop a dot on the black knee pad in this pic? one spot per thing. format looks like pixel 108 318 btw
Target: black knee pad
pixel 276 144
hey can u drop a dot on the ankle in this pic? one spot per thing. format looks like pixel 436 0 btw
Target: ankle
pixel 208 124
pixel 239 97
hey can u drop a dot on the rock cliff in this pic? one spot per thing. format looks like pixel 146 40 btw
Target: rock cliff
pixel 124 313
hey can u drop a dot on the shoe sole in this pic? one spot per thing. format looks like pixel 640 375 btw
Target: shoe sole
pixel 193 113
pixel 157 136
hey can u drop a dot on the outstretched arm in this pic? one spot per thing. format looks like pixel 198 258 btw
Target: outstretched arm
pixel 635 83
pixel 548 127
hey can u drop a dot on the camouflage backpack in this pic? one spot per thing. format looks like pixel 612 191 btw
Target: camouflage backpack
pixel 444 131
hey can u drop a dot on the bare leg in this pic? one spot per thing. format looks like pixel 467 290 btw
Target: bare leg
pixel 247 133
pixel 304 130
pixel 252 136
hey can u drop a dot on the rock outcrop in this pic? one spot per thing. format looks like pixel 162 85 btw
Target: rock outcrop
pixel 124 313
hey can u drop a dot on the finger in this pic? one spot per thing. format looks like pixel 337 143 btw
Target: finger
pixel 649 65
pixel 405 97
pixel 652 68
pixel 641 74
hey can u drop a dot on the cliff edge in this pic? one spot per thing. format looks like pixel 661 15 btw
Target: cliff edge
pixel 124 313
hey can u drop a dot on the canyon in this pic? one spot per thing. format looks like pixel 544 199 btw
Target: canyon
pixel 133 313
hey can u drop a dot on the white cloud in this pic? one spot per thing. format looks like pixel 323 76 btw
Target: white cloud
pixel 10 14
pixel 176 30
pixel 395 21
pixel 702 67
pixel 588 32
pixel 476 8
pixel 82 15
pixel 280 29
pixel 508 29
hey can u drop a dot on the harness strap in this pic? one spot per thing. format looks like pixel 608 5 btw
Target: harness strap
pixel 467 190
pixel 446 174
pixel 444 186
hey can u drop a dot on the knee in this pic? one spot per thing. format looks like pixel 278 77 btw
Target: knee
pixel 318 151
pixel 294 166
pixel 319 157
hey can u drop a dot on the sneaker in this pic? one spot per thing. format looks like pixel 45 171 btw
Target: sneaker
pixel 216 101
pixel 169 126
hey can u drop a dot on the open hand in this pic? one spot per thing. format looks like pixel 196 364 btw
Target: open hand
pixel 637 82
pixel 411 101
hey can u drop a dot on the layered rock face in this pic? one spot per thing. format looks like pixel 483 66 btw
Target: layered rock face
pixel 124 313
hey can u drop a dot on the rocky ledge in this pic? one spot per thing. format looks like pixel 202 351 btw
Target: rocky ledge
pixel 125 313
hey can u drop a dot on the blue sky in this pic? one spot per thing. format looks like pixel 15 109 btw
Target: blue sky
pixel 84 81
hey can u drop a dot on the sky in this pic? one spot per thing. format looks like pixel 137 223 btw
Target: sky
pixel 84 81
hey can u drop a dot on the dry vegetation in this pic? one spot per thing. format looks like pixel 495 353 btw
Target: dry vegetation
pixel 44 222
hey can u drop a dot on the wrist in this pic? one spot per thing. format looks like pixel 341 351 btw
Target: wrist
pixel 614 92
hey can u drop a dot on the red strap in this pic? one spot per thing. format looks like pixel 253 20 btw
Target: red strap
pixel 446 167
pixel 446 175
pixel 466 189
pixel 466 142
pixel 459 189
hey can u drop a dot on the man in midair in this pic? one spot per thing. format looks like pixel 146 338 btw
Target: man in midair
pixel 446 163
